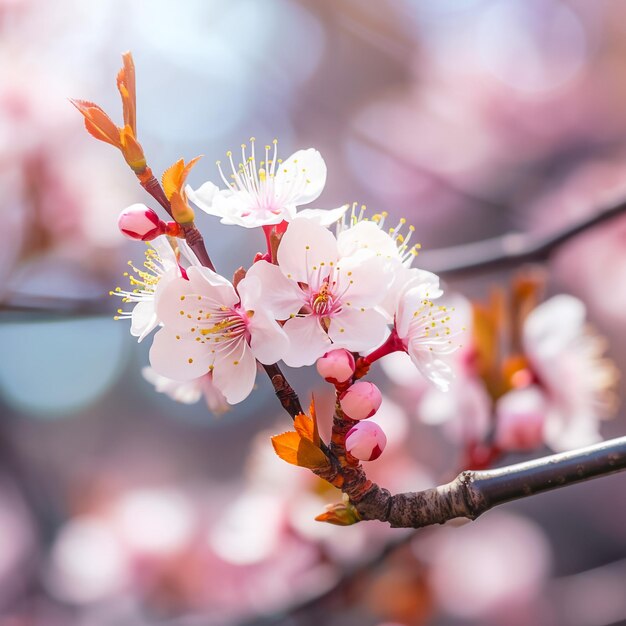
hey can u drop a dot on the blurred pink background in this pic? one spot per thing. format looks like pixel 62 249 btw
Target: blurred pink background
pixel 469 118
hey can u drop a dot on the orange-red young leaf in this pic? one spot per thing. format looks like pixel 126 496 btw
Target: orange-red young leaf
pixel 181 211
pixel 313 414
pixel 304 426
pixel 171 177
pixel 126 86
pixel 132 150
pixel 98 123
pixel 174 177
pixel 294 449
pixel 187 169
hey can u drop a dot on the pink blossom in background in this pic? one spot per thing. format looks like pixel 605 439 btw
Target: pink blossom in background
pixel 470 568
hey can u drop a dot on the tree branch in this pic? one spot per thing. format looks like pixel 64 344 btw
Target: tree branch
pixel 472 493
pixel 284 391
pixel 510 249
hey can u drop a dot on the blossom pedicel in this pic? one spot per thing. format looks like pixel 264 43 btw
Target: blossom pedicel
pixel 366 441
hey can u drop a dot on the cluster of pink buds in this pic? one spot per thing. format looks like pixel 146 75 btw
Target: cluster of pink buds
pixel 359 401
pixel 141 223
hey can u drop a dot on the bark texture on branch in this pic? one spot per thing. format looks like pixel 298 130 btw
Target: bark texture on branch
pixel 283 390
pixel 472 493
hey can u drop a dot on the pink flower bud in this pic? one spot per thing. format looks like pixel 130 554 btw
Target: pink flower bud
pixel 360 400
pixel 366 441
pixel 521 415
pixel 140 223
pixel 336 366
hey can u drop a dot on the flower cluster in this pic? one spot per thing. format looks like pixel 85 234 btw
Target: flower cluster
pixel 329 280
pixel 332 286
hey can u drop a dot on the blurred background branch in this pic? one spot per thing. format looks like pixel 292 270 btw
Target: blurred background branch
pixel 502 252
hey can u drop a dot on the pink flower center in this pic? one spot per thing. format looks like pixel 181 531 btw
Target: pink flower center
pixel 323 302
pixel 228 324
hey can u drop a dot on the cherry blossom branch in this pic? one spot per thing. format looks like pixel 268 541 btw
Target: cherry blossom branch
pixel 472 493
pixel 284 391
pixel 512 248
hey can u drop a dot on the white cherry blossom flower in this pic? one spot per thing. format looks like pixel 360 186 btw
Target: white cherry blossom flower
pixel 209 327
pixel 423 328
pixel 161 266
pixel 327 299
pixel 567 358
pixel 189 391
pixel 268 192
pixel 357 232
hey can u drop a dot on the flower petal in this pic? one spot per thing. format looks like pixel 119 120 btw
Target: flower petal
pixel 165 251
pixel 303 248
pixel 324 217
pixel 268 340
pixel 174 357
pixel 204 197
pixel 243 209
pixel 265 285
pixel 307 341
pixel 367 236
pixel 168 303
pixel 358 329
pixel 187 392
pixel 553 325
pixel 301 178
pixel 435 369
pixel 143 319
pixel 208 283
pixel 365 280
pixel 234 372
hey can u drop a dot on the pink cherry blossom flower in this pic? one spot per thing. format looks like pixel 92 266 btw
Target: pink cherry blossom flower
pixel 567 358
pixel 327 299
pixel 268 192
pixel 209 327
pixel 189 391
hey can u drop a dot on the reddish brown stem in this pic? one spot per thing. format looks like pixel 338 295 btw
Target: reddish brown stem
pixel 192 235
pixel 196 243
pixel 153 187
